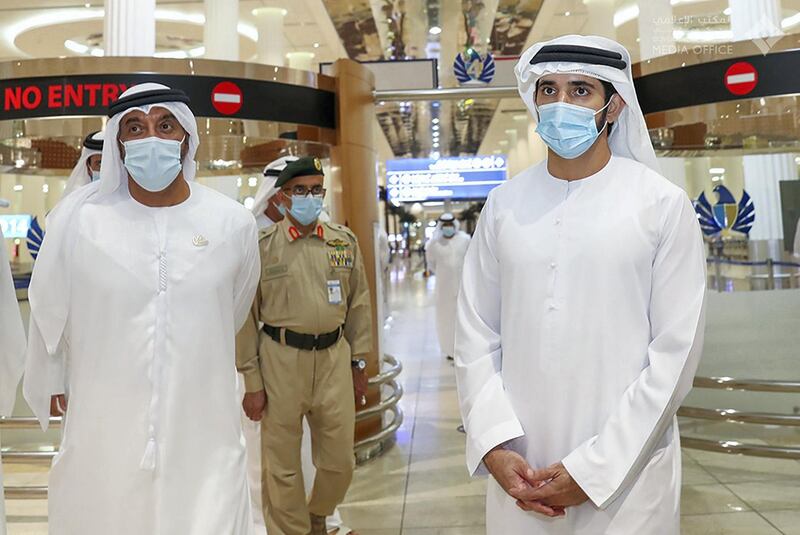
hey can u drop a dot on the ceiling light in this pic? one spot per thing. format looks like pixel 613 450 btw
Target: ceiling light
pixel 87 4
pixel 762 101
pixel 435 127
pixel 252 181
pixel 18 187
pixel 716 170
pixel 316 45
pixel 61 16
pixel 76 47
pixel 566 13
pixel 435 120
pixel 435 30
pixel 727 11
pixel 45 188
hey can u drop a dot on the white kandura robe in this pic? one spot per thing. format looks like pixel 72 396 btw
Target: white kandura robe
pixel 12 351
pixel 152 442
pixel 580 326
pixel 446 260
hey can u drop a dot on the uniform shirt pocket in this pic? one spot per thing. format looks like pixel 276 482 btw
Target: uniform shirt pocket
pixel 275 282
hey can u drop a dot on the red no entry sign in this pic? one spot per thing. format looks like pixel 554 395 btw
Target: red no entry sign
pixel 226 97
pixel 741 78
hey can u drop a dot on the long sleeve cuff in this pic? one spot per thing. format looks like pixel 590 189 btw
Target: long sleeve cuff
pixel 588 476
pixel 253 382
pixel 479 446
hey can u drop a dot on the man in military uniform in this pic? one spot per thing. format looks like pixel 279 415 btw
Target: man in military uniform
pixel 307 358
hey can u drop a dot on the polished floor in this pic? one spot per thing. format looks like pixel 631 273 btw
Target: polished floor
pixel 421 487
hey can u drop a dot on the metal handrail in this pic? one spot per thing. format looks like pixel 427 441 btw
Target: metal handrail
pixel 384 434
pixel 383 405
pixel 742 417
pixel 24 422
pixel 452 93
pixel 26 493
pixel 735 416
pixel 749 385
pixel 28 457
pixel 739 448
pixel 394 369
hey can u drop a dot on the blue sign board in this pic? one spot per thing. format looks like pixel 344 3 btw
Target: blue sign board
pixel 419 179
pixel 15 225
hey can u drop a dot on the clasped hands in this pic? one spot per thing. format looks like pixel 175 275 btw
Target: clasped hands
pixel 549 491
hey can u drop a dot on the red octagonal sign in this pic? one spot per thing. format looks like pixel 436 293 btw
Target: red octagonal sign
pixel 741 78
pixel 226 98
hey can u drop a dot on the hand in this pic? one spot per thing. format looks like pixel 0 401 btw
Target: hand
pixel 58 405
pixel 360 386
pixel 517 478
pixel 254 404
pixel 558 490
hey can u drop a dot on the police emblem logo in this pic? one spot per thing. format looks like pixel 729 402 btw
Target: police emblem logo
pixel 318 164
pixel 727 215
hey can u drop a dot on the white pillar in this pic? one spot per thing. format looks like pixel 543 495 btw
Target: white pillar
pixel 600 18
pixel 751 19
pixel 129 28
pixel 762 174
pixel 220 33
pixel 271 43
pixel 302 61
pixel 655 29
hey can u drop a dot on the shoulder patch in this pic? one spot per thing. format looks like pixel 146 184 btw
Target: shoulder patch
pixel 265 233
pixel 341 228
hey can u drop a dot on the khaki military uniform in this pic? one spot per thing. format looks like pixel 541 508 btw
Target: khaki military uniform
pixel 310 285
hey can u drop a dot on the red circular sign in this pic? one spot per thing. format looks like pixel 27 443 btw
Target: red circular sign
pixel 741 78
pixel 227 98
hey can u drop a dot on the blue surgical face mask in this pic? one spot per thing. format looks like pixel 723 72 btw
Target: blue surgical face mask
pixel 95 175
pixel 448 232
pixel 568 129
pixel 154 163
pixel 305 209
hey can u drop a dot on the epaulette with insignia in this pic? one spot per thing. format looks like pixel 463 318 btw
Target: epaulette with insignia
pixel 264 233
pixel 341 228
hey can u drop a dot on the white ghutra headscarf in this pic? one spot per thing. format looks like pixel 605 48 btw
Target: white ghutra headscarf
pixel 599 58
pixel 80 175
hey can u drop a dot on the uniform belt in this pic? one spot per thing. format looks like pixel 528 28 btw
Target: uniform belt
pixel 306 342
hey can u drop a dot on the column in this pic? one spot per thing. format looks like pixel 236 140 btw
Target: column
pixel 751 19
pixel 129 27
pixel 220 33
pixel 655 29
pixel 271 43
pixel 600 18
pixel 762 176
pixel 302 61
pixel 354 188
pixel 754 19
